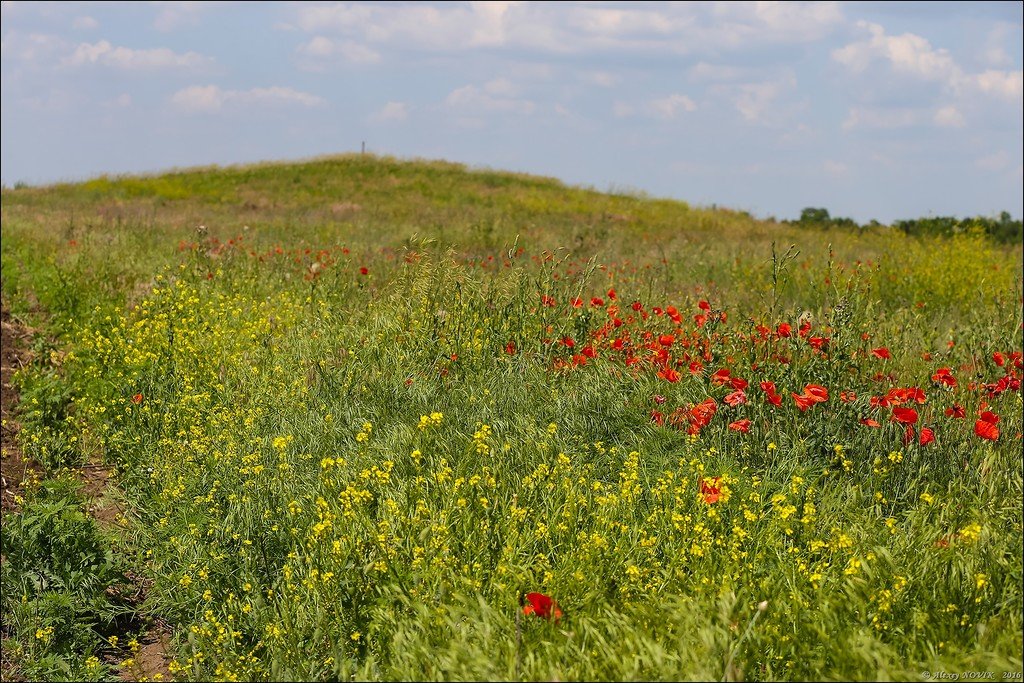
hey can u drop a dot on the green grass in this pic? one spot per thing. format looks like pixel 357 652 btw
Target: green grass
pixel 333 474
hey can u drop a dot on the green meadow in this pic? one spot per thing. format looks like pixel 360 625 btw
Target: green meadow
pixel 365 418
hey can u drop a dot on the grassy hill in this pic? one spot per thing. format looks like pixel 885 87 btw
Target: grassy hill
pixel 366 417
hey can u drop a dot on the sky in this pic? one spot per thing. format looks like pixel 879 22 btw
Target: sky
pixel 872 110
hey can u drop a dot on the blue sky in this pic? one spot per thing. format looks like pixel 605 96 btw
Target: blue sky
pixel 872 110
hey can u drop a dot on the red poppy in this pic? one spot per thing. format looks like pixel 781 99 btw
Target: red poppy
pixel 768 387
pixel 740 426
pixel 710 490
pixel 700 415
pixel 847 396
pixel 802 402
pixel 704 306
pixel 908 435
pixel 986 430
pixel 868 422
pixel 736 398
pixel 659 399
pixel 818 342
pixel 568 342
pixel 995 388
pixel 999 358
pixel 611 294
pixel 739 383
pixel 364 271
pixel 987 416
pixel 956 411
pixel 720 376
pixel 636 306
pixel 927 436
pixel 547 300
pixel 137 399
pixel 657 417
pixel 904 416
pixel 944 377
pixel 577 302
pixel 542 606
pixel 881 352
pixel 597 301
pixel 589 351
pixel 668 374
pixel 666 340
pixel 816 392
pixel 900 395
pixel 510 348
pixel 784 330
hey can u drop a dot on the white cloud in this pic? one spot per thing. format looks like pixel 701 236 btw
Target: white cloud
pixel 785 22
pixel 754 100
pixel 474 98
pixel 702 72
pixel 663 108
pixel 573 27
pixel 670 107
pixel 1006 84
pixel 34 48
pixel 211 98
pixel 949 117
pixel 801 133
pixel 52 100
pixel 320 50
pixel 173 15
pixel 759 101
pixel 913 56
pixel 502 87
pixel 622 110
pixel 868 117
pixel 994 162
pixel 993 52
pixel 908 53
pixel 835 169
pixel 393 112
pixel 85 23
pixel 604 79
pixel 123 100
pixel 105 54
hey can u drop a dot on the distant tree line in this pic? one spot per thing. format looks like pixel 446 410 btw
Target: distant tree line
pixel 1002 229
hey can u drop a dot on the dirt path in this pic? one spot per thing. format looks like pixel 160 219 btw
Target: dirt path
pixel 152 658
pixel 13 467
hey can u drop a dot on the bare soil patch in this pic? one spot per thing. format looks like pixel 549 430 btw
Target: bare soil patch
pixel 14 468
pixel 152 659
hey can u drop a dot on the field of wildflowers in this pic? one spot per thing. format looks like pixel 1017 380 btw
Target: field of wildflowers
pixel 398 420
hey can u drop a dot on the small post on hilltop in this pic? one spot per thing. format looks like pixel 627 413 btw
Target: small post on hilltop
pixel 363 149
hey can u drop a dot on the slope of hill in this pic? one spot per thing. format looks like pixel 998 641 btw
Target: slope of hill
pixel 404 420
